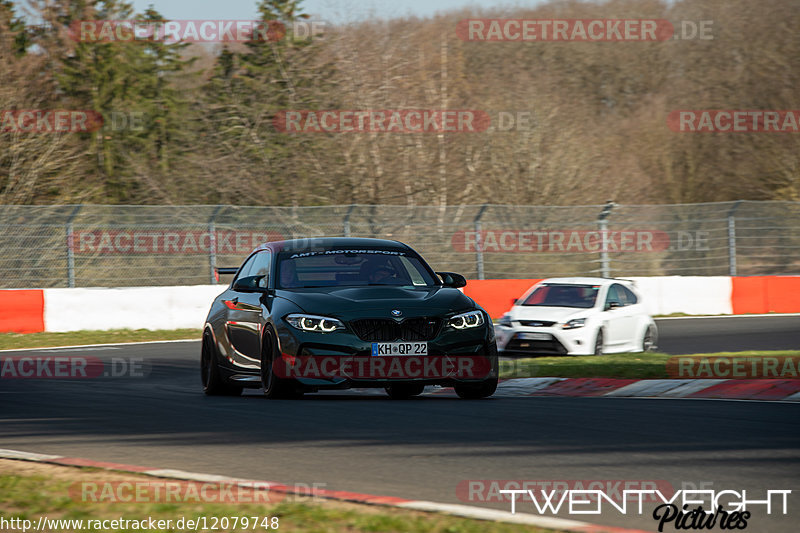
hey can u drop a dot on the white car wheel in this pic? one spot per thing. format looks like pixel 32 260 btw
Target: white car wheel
pixel 649 339
pixel 598 342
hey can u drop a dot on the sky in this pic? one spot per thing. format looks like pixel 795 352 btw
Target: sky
pixel 334 11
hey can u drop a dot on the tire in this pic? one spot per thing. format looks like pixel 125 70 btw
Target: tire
pixel 404 391
pixel 649 339
pixel 213 382
pixel 275 387
pixel 476 392
pixel 598 342
pixel 484 389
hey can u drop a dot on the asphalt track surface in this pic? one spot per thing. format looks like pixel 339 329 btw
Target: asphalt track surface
pixel 421 448
pixel 729 334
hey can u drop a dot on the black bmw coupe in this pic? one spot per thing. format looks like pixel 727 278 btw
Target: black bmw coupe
pixel 334 313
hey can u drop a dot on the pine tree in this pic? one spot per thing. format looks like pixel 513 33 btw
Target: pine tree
pixel 130 84
pixel 158 65
pixel 13 28
pixel 244 94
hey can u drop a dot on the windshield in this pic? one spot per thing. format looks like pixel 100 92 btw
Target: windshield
pixel 340 268
pixel 560 295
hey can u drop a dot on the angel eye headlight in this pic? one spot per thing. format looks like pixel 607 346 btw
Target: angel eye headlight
pixel 473 319
pixel 321 324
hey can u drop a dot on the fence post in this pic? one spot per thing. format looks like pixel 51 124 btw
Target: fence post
pixel 71 248
pixel 346 228
pixel 212 248
pixel 602 221
pixel 732 239
pixel 478 243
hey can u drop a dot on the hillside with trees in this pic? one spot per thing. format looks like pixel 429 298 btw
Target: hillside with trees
pixel 205 130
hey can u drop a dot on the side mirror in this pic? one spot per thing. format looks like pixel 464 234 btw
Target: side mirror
pixel 249 284
pixel 612 305
pixel 451 279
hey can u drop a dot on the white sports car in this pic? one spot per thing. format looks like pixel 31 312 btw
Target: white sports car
pixel 577 316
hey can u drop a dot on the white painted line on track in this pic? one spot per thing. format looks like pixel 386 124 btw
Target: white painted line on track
pixel 110 344
pixel 724 316
pixel 27 456
pixel 495 515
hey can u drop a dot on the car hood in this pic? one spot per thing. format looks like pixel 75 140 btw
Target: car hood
pixel 558 314
pixel 349 302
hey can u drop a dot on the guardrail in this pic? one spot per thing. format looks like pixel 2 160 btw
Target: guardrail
pixel 123 246
pixel 58 310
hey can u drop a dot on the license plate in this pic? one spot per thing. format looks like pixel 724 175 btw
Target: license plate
pixel 399 348
pixel 535 336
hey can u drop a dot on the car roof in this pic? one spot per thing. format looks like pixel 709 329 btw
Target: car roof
pixel 585 281
pixel 316 243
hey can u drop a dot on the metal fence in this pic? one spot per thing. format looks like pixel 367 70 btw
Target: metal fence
pixel 102 246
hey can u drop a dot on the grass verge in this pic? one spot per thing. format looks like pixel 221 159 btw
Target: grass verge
pixel 650 365
pixel 11 341
pixel 32 490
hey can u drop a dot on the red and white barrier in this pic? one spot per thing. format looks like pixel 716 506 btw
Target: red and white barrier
pixel 665 295
pixel 59 310
pixel 128 308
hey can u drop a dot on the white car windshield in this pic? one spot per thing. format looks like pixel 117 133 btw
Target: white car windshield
pixel 563 295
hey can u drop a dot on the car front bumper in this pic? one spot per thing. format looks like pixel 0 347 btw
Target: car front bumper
pixel 341 359
pixel 521 341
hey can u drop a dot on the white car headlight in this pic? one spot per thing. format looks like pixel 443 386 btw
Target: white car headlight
pixel 321 324
pixel 574 323
pixel 504 321
pixel 473 319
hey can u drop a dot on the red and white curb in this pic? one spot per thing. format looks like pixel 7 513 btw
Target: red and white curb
pixel 466 511
pixel 728 389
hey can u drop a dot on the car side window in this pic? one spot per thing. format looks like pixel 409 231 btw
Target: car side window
pixel 629 298
pixel 613 295
pixel 245 270
pixel 262 262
